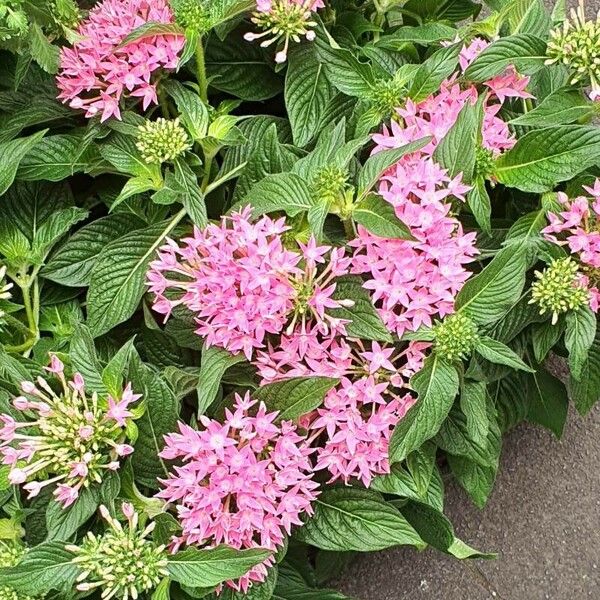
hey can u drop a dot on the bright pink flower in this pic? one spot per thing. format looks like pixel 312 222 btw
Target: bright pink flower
pixel 70 442
pixel 471 51
pixel 242 284
pixel 244 482
pixel 578 228
pixel 509 85
pixel 98 71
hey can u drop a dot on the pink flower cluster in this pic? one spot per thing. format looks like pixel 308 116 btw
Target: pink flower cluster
pixel 68 439
pixel 242 284
pixel 243 482
pixel 98 71
pixel 357 418
pixel 414 282
pixel 578 228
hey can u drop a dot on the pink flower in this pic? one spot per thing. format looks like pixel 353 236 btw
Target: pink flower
pixel 471 51
pixel 99 71
pixel 577 227
pixel 69 441
pixel 357 420
pixel 117 409
pixel 509 85
pixel 244 482
pixel 242 284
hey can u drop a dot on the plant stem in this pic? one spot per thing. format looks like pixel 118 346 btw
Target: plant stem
pixel 207 168
pixel 201 71
pixel 349 228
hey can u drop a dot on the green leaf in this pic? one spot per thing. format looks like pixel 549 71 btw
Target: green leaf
pixel 112 374
pixel 292 586
pixel 544 337
pixel 258 591
pixel 62 523
pixel 122 153
pixel 436 385
pixel 85 360
pixel 586 391
pixel 238 67
pixel 118 279
pixel 424 35
pixel 420 464
pixel 52 229
pixel 209 567
pixel 562 107
pixel 223 10
pixel 439 66
pixel 365 322
pixel 281 191
pixel 160 418
pixel 44 567
pixel 12 153
pixel 215 361
pixel 579 337
pixel 192 111
pixel 487 296
pixel 54 158
pixel 356 519
pixel 72 263
pixel 479 202
pixel 500 354
pixel 151 29
pixel 544 157
pixel 548 401
pixel 473 404
pixel 295 397
pixel 477 480
pixel 345 72
pixel 379 163
pixel 42 51
pixel 524 51
pixel 528 16
pixel 379 217
pixel 307 93
pixel 456 150
pixel 192 197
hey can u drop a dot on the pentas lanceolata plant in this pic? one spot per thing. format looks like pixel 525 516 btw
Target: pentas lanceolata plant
pixel 270 271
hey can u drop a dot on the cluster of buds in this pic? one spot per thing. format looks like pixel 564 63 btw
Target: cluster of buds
pixel 68 438
pixel 330 183
pixel 13 20
pixel 122 561
pixel 455 337
pixel 10 555
pixel 559 288
pixel 162 140
pixel 193 15
pixel 577 44
pixel 282 21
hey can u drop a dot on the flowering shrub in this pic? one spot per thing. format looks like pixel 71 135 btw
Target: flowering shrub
pixel 270 269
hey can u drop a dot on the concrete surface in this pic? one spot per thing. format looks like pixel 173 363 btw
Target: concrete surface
pixel 543 519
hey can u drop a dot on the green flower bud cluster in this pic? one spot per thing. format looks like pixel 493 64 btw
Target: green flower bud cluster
pixel 386 96
pixel 65 12
pixel 329 183
pixel 577 44
pixel 193 15
pixel 162 140
pixel 10 555
pixel 123 562
pixel 13 20
pixel 455 337
pixel 484 162
pixel 558 288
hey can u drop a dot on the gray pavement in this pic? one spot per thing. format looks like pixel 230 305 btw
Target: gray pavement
pixel 543 520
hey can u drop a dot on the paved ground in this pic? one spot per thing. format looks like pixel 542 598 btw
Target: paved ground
pixel 543 519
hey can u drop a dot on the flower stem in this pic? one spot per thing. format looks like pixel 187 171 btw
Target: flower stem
pixel 201 71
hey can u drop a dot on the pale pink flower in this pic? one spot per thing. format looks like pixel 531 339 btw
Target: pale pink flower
pixel 65 438
pixel 98 71
pixel 244 482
